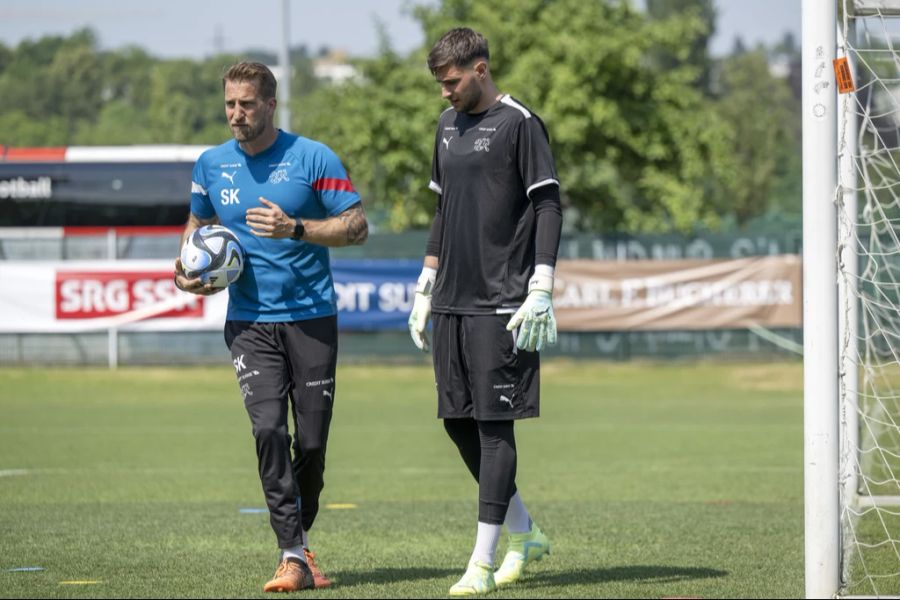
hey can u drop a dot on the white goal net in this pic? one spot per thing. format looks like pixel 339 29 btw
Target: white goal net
pixel 868 201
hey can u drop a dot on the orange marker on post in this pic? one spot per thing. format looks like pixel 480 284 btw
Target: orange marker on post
pixel 843 76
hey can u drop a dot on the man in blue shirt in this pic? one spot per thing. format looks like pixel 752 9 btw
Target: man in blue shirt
pixel 287 198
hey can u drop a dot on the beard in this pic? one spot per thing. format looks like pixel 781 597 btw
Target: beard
pixel 248 132
pixel 468 103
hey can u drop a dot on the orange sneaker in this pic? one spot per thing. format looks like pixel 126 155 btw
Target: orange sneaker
pixel 292 575
pixel 318 575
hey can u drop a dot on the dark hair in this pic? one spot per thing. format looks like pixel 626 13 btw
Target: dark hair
pixel 458 47
pixel 254 72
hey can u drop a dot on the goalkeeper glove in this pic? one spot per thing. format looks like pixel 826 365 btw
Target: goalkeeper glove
pixel 538 325
pixel 421 312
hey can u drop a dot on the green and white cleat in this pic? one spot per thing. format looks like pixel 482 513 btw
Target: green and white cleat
pixel 478 579
pixel 524 548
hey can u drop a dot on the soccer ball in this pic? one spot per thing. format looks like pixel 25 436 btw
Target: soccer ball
pixel 214 254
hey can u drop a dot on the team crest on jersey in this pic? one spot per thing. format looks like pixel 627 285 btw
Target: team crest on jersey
pixel 278 176
pixel 483 144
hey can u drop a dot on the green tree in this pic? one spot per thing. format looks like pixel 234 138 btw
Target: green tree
pixel 766 135
pixel 117 123
pixel 21 129
pixel 186 103
pixel 382 127
pixel 637 146
pixel 50 80
pixel 126 77
pixel 698 51
pixel 62 90
pixel 122 117
pixel 74 80
pixel 6 56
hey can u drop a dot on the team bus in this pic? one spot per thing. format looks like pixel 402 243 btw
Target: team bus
pixel 96 186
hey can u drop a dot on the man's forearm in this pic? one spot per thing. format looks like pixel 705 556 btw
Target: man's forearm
pixel 548 224
pixel 349 228
pixel 193 223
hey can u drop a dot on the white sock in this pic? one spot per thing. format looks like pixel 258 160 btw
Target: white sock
pixel 486 543
pixel 517 518
pixel 295 552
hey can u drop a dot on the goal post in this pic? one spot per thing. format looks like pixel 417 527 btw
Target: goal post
pixel 851 262
pixel 820 337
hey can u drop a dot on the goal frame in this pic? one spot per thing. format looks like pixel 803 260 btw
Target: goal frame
pixel 821 439
pixel 830 299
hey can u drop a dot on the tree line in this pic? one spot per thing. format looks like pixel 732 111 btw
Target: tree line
pixel 650 133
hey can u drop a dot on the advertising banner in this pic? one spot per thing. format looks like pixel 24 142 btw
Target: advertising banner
pixel 81 296
pixel 589 295
pixel 375 294
pixel 646 295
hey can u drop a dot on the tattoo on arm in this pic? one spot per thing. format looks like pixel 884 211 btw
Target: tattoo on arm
pixel 354 219
pixel 346 229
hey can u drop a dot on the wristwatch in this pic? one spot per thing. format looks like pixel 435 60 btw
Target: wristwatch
pixel 299 230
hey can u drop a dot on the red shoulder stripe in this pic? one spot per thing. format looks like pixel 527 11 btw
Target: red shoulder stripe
pixel 333 184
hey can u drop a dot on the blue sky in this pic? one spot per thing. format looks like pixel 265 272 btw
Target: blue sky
pixel 197 28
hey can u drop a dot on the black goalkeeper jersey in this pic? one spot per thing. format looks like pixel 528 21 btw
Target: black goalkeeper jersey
pixel 484 168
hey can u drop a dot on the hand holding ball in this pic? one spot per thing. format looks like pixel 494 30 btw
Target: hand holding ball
pixel 214 254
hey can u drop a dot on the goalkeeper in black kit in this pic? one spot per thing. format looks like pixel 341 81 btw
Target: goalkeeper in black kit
pixel 486 284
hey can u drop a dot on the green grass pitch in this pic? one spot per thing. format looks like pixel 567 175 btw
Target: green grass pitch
pixel 652 480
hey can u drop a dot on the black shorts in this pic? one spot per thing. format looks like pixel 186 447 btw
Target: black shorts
pixel 274 361
pixel 480 373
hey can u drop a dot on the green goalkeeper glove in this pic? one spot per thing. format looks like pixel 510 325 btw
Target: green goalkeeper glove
pixel 421 312
pixel 535 316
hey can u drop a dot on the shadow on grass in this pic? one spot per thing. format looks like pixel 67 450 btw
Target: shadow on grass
pixel 390 575
pixel 638 573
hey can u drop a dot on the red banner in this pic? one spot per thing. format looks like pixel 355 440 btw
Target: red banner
pixel 91 295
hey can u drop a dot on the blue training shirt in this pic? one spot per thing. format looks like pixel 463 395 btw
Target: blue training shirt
pixel 283 279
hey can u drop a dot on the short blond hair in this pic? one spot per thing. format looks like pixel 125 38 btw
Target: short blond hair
pixel 254 72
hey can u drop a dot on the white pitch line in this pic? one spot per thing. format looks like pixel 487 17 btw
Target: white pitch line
pixel 12 472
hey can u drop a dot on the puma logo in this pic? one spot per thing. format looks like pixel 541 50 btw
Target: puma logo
pixel 447 142
pixel 229 177
pixel 328 394
pixel 507 400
